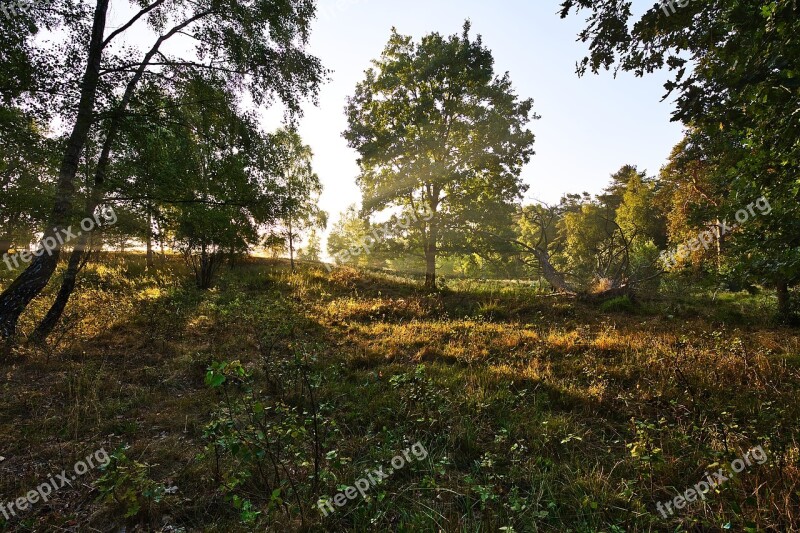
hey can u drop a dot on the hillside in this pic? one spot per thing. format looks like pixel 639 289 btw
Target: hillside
pixel 517 411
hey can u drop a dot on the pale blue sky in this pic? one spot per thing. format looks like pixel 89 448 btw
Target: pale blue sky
pixel 589 128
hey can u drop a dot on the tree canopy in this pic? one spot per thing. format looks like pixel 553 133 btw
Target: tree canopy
pixel 435 126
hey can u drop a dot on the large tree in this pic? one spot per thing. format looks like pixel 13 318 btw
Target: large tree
pixel 437 129
pixel 191 160
pixel 256 45
pixel 736 66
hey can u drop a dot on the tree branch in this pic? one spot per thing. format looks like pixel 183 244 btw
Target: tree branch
pixel 132 21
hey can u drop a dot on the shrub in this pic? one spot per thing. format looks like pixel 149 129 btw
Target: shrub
pixel 620 304
pixel 265 443
pixel 127 483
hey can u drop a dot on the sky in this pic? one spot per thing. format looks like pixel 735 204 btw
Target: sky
pixel 590 126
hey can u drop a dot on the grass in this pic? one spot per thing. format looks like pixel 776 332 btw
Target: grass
pixel 538 413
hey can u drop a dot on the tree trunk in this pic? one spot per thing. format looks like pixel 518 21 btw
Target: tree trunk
pixel 150 263
pixel 431 247
pixel 16 298
pixel 553 276
pixel 430 265
pixel 76 261
pixel 784 303
pixel 291 245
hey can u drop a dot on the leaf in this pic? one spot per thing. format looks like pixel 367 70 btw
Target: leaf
pixel 215 380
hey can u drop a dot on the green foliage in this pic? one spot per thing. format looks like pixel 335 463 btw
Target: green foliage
pixel 739 103
pixel 611 239
pixel 301 189
pixel 436 129
pixel 228 182
pixel 127 483
pixel 265 442
pixel 638 215
pixel 620 304
pixel 312 250
pixel 347 239
pixel 26 166
pixel 592 244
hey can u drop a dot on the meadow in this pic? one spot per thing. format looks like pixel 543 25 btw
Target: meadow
pixel 243 407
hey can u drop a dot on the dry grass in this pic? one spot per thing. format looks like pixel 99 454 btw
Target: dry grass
pixel 539 414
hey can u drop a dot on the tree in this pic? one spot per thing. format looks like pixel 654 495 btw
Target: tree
pixel 638 214
pixel 256 45
pixel 193 161
pixel 274 244
pixel 736 74
pixel 348 237
pixel 26 163
pixel 596 248
pixel 232 185
pixel 303 188
pixel 692 201
pixel 148 168
pixel 585 247
pixel 312 251
pixel 435 127
pixel 538 236
pixel 612 195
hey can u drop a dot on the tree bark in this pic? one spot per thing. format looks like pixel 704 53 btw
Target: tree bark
pixel 784 303
pixel 431 250
pixel 16 298
pixel 553 276
pixel 430 267
pixel 76 261
pixel 150 263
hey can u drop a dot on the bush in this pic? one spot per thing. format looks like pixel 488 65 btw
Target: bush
pixel 620 304
pixel 127 483
pixel 264 444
